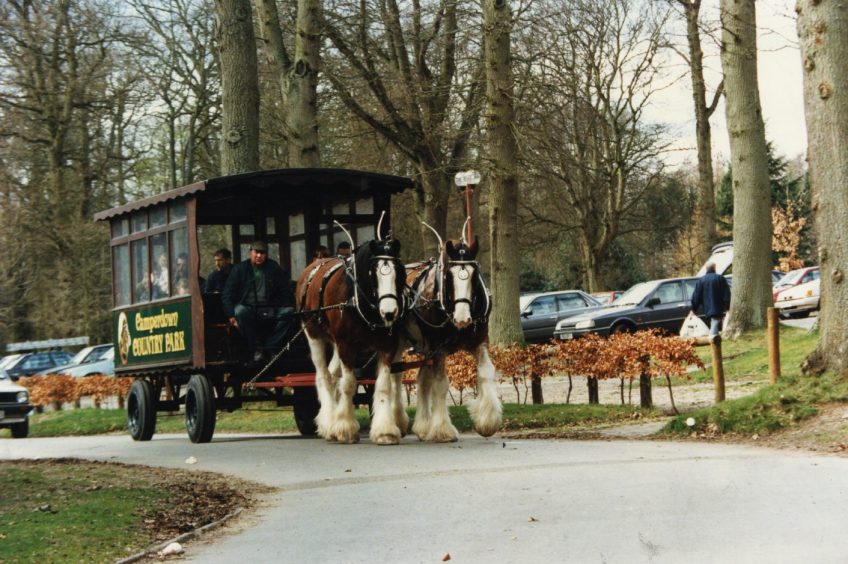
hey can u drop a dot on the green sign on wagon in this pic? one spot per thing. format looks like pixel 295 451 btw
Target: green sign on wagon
pixel 153 334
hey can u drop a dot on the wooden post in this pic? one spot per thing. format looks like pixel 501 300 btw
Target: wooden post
pixel 773 339
pixel 718 369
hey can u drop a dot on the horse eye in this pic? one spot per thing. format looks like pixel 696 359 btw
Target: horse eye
pixel 463 274
pixel 385 270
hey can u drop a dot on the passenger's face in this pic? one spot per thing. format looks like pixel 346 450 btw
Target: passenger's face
pixel 221 263
pixel 257 258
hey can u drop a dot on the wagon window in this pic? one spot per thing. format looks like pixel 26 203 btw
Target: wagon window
pixel 246 229
pixel 179 262
pixel 159 279
pixel 141 271
pixel 338 237
pixel 139 222
pixel 365 206
pixel 341 209
pixel 158 217
pixel 270 226
pixel 274 251
pixel 121 260
pixel 120 228
pixel 364 233
pixel 178 211
pixel 296 224
pixel 298 257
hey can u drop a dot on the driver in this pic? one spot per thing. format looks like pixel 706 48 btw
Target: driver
pixel 258 301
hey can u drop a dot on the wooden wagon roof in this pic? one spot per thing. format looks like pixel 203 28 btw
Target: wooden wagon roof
pixel 225 195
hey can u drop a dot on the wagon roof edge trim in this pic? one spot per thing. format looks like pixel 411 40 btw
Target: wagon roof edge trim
pixel 295 175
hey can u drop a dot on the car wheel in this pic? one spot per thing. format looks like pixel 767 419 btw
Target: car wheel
pixel 141 411
pixel 20 430
pixel 200 409
pixel 621 328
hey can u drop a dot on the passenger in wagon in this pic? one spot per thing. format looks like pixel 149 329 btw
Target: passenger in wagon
pixel 217 279
pixel 344 250
pixel 258 301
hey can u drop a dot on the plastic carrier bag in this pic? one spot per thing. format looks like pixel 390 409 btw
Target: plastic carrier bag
pixel 693 327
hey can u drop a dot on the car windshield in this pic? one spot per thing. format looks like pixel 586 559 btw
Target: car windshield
pixel 89 354
pixel 9 360
pixel 636 294
pixel 791 277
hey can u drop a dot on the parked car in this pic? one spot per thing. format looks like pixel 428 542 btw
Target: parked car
pixel 540 312
pixel 105 365
pixel 794 278
pixel 722 257
pixel 608 297
pixel 662 304
pixel 30 363
pixel 9 359
pixel 97 359
pixel 799 301
pixel 14 406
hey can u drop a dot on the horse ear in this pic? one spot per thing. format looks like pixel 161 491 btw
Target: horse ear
pixel 474 246
pixel 450 248
pixel 395 246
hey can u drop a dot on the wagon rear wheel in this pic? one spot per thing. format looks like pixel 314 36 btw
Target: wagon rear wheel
pixel 200 409
pixel 306 407
pixel 141 411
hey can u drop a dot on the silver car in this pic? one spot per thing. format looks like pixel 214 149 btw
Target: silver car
pixel 540 312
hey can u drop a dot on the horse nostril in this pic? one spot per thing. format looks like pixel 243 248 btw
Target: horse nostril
pixel 390 317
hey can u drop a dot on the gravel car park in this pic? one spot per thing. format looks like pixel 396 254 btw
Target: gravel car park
pixel 14 406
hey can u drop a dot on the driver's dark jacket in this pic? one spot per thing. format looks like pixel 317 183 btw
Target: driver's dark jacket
pixel 240 284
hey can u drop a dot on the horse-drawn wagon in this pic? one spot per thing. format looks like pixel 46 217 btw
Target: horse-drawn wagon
pixel 173 338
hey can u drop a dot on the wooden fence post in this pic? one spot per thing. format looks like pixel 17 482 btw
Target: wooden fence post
pixel 773 339
pixel 718 369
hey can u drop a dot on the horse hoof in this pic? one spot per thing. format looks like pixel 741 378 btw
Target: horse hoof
pixel 486 431
pixel 387 440
pixel 442 436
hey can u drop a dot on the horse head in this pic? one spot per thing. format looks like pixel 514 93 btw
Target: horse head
pixel 384 281
pixel 462 279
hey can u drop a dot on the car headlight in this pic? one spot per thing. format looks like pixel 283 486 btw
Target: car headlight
pixel 585 324
pixel 22 397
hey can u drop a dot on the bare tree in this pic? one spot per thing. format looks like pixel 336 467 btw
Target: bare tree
pixel 822 28
pixel 585 134
pixel 502 154
pixel 705 213
pixel 298 76
pixel 749 161
pixel 239 85
pixel 398 72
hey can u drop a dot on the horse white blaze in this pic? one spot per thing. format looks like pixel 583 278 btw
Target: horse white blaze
pixel 461 276
pixel 386 291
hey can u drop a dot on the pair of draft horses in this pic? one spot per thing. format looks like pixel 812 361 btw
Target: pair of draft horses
pixel 374 304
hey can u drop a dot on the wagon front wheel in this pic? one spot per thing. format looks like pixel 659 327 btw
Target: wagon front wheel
pixel 141 411
pixel 200 409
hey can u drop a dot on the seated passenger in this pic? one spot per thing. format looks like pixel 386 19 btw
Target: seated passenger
pixel 217 279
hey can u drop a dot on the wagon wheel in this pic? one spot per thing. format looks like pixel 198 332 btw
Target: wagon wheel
pixel 20 430
pixel 306 407
pixel 141 411
pixel 200 409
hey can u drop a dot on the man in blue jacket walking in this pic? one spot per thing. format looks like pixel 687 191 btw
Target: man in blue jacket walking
pixel 713 292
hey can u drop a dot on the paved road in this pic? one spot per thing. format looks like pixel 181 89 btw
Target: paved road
pixel 507 501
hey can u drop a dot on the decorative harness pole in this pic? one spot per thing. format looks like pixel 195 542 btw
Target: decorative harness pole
pixel 467 180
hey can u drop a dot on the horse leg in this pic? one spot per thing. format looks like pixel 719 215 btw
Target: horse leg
pixel 325 386
pixel 424 382
pixel 398 410
pixel 345 426
pixel 335 368
pixel 441 429
pixel 384 429
pixel 486 411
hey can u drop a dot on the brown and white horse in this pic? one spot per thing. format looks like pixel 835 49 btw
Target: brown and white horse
pixel 360 301
pixel 449 313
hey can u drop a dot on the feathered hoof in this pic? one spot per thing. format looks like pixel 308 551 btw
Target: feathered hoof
pixel 487 430
pixel 388 437
pixel 487 417
pixel 420 428
pixel 442 434
pixel 345 432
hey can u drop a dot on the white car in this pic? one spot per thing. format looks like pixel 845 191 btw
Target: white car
pixel 800 300
pixel 14 407
pixel 94 361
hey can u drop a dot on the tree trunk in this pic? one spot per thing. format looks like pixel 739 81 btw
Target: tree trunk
pixel 536 389
pixel 239 87
pixel 431 205
pixel 705 209
pixel 591 264
pixel 749 160
pixel 822 28
pixel 504 324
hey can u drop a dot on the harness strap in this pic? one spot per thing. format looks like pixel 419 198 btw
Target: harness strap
pixel 324 281
pixel 309 278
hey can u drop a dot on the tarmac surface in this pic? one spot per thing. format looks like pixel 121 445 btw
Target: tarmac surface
pixel 496 500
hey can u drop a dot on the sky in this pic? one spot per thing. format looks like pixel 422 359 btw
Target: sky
pixel 780 82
